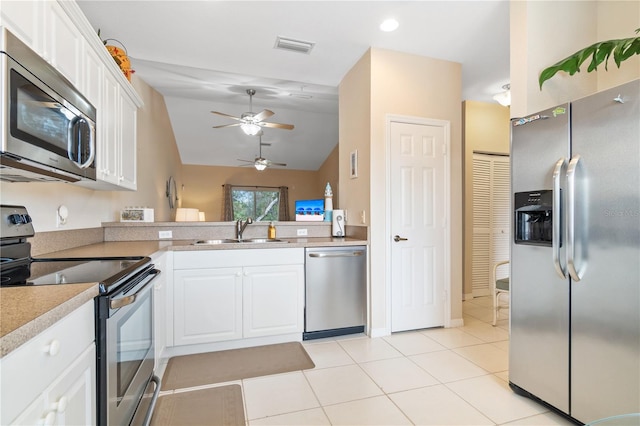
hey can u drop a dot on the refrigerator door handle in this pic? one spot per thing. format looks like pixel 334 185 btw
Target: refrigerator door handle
pixel 556 218
pixel 571 216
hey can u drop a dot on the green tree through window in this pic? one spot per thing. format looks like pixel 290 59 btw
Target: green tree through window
pixel 258 203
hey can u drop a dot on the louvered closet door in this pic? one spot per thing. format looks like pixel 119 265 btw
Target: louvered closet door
pixel 491 219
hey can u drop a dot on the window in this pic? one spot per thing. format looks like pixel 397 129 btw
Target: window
pixel 258 203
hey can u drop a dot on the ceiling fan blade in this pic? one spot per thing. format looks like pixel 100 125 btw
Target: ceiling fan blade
pixel 277 164
pixel 262 115
pixel 227 125
pixel 278 125
pixel 227 115
pixel 246 161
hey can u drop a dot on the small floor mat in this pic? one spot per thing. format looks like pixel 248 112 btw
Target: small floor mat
pixel 214 406
pixel 225 366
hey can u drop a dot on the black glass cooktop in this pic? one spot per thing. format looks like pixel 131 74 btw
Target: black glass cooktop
pixel 106 271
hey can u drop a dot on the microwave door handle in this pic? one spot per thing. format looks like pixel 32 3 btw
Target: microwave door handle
pixel 73 126
pixel 556 218
pixel 92 145
pixel 571 216
pixel 70 129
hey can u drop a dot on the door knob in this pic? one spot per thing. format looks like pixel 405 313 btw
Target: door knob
pixel 399 238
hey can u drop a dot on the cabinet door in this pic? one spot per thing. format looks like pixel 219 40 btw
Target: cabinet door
pixel 128 157
pixel 273 300
pixel 93 79
pixel 24 19
pixel 71 398
pixel 108 131
pixel 207 305
pixel 159 307
pixel 63 42
pixel 73 395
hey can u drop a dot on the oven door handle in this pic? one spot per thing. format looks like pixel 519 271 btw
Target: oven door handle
pixel 128 300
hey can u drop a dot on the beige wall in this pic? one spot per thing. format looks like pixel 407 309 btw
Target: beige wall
pixel 386 83
pixel 328 172
pixel 203 185
pixel 485 128
pixel 575 25
pixel 157 160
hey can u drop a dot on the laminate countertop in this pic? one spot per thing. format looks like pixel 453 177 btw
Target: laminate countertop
pixel 27 311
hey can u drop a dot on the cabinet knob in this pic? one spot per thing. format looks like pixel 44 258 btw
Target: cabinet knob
pixel 52 348
pixel 61 405
pixel 238 274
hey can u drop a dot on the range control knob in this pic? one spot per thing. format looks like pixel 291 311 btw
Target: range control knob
pixel 19 219
pixel 15 218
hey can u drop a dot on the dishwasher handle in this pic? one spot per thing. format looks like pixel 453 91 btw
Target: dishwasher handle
pixel 354 253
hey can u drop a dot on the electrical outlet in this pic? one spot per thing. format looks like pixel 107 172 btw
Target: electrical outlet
pixel 363 217
pixel 165 234
pixel 302 232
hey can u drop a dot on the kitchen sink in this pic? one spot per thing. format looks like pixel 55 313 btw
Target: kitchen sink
pixel 233 241
pixel 212 242
pixel 262 240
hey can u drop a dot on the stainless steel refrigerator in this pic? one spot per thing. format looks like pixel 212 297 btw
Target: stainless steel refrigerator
pixel 575 255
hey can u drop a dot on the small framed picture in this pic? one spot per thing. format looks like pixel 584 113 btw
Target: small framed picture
pixel 353 164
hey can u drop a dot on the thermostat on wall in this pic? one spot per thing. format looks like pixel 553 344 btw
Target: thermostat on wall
pixel 136 214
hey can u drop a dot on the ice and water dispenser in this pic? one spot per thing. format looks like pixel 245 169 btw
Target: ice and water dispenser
pixel 533 217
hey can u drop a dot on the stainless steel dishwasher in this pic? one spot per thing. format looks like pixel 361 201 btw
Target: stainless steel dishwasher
pixel 336 291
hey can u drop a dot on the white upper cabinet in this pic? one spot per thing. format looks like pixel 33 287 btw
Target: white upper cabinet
pixel 62 42
pixel 24 19
pixel 60 33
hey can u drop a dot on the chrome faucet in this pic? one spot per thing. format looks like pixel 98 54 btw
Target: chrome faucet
pixel 240 225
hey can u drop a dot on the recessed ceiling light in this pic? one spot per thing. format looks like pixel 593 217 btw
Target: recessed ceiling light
pixel 389 25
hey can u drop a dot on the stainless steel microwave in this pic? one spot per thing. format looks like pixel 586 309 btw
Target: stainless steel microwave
pixel 48 129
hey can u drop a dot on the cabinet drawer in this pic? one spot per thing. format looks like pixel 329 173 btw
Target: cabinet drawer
pixel 28 370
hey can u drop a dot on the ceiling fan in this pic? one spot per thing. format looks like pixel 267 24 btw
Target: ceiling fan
pixel 261 163
pixel 250 122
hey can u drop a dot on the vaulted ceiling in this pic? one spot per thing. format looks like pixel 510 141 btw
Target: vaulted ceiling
pixel 204 55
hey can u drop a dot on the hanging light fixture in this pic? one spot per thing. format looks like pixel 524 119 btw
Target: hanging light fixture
pixel 504 98
pixel 250 129
pixel 260 166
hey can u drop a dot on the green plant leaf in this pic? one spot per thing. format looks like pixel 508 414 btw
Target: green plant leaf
pixel 600 52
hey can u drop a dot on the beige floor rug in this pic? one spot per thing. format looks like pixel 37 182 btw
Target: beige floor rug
pixel 214 406
pixel 224 366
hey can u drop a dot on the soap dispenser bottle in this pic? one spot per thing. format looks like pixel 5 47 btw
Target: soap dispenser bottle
pixel 271 234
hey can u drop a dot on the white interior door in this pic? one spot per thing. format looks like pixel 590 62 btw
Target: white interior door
pixel 418 219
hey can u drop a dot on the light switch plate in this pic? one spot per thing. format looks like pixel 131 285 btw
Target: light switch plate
pixel 165 234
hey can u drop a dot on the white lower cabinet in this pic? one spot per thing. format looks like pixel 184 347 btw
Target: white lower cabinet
pixel 208 305
pixel 259 293
pixel 70 400
pixel 51 379
pixel 273 297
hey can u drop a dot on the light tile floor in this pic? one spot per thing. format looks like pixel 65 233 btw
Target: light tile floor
pixel 428 377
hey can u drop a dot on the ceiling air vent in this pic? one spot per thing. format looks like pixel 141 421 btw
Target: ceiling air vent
pixel 293 45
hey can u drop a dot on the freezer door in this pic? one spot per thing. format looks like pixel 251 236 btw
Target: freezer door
pixel 605 314
pixel 539 341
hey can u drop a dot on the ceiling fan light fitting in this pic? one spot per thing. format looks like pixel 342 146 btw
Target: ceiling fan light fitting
pixel 250 129
pixel 504 98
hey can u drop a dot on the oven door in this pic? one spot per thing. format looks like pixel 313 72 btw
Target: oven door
pixel 128 351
